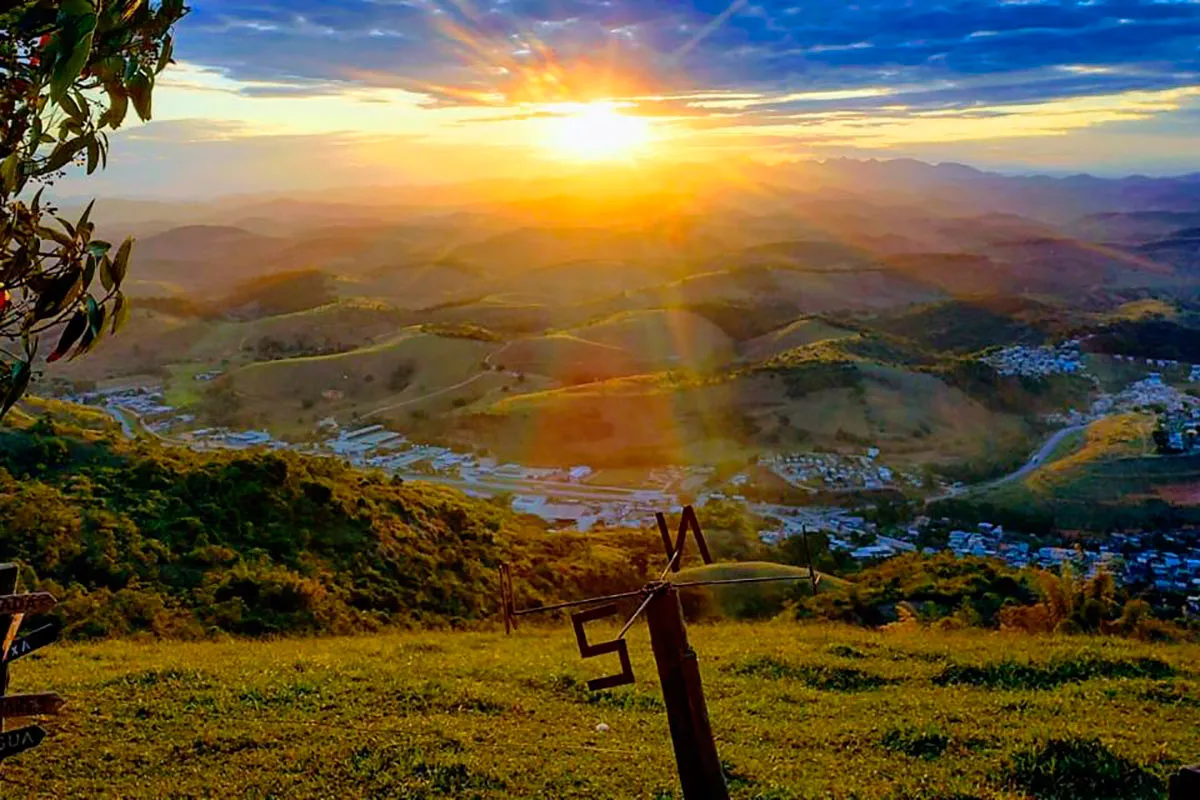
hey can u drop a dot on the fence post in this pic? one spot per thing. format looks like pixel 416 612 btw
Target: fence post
pixel 8 585
pixel 1185 785
pixel 700 770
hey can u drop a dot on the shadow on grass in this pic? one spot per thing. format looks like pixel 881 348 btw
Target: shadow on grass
pixel 823 677
pixel 1052 674
pixel 1075 769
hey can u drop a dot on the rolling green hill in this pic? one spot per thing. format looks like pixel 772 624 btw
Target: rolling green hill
pixel 687 418
pixel 405 370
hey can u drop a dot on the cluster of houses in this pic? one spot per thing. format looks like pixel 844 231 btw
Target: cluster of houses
pixel 1178 431
pixel 834 471
pixel 1150 392
pixel 1063 359
pixel 1168 562
pixel 144 401
pixel 564 497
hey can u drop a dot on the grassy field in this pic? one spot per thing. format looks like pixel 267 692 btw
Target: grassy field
pixel 800 711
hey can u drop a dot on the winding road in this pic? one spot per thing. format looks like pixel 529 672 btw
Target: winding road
pixel 1035 461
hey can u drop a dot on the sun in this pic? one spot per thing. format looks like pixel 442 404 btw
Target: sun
pixel 597 132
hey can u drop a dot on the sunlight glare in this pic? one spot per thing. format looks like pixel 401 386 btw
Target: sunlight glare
pixel 597 132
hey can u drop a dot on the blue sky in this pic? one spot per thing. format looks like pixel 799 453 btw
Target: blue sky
pixel 290 94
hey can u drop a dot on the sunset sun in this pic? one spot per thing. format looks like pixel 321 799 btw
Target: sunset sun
pixel 597 132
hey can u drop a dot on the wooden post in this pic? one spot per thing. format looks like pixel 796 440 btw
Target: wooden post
pixel 1185 785
pixel 700 770
pixel 8 585
pixel 812 573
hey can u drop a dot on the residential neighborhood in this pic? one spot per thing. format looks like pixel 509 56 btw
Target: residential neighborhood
pixel 572 497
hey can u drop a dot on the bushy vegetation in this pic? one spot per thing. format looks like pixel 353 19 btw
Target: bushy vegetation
pixel 135 537
pixel 948 591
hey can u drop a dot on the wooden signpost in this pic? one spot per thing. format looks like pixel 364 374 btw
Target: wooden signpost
pixel 20 740
pixel 34 640
pixel 700 771
pixel 29 705
pixel 13 608
pixel 36 603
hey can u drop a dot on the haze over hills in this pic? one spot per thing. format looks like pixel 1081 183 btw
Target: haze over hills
pixel 650 314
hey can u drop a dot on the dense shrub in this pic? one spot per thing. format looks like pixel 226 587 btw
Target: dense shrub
pixel 936 586
pixel 137 537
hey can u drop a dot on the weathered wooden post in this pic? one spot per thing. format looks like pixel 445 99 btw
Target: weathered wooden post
pixel 13 608
pixel 1185 784
pixel 700 771
pixel 8 585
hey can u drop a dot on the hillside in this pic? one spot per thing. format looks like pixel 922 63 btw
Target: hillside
pixel 692 419
pixel 403 371
pixel 133 536
pixel 798 711
pixel 1106 478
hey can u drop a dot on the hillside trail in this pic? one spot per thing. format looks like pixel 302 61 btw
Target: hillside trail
pixel 444 390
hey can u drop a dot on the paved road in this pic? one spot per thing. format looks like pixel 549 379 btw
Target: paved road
pixel 122 420
pixel 1035 461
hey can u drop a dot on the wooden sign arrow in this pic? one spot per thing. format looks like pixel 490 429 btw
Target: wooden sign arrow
pixel 20 740
pixel 34 603
pixel 34 640
pixel 29 705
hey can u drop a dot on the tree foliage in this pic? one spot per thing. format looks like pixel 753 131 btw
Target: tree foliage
pixel 138 537
pixel 69 72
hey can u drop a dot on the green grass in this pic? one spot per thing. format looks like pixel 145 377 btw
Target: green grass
pixel 182 388
pixel 799 711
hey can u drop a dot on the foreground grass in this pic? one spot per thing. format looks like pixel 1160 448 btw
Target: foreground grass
pixel 800 711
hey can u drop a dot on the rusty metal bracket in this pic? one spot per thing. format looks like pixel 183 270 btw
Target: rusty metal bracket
pixel 618 646
pixel 675 551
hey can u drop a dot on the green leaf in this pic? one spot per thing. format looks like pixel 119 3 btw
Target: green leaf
pixel 118 108
pixel 55 234
pixel 70 335
pixel 106 279
pixel 95 332
pixel 120 264
pixel 10 172
pixel 62 291
pixel 120 313
pixel 72 109
pixel 77 35
pixel 18 382
pixel 68 227
pixel 95 313
pixel 89 271
pixel 63 155
pixel 98 247
pixel 140 92
pixel 93 155
pixel 87 215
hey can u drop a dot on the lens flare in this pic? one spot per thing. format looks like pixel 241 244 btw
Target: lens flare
pixel 597 132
